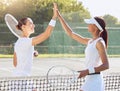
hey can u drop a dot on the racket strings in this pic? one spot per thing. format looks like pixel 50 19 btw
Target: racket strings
pixel 60 77
pixel 11 23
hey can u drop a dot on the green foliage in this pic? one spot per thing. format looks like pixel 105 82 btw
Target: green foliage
pixel 111 20
pixel 41 10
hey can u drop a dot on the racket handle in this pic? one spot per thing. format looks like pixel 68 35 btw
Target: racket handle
pixel 77 75
pixel 78 71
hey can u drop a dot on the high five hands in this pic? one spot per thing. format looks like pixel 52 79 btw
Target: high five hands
pixel 56 12
pixel 55 8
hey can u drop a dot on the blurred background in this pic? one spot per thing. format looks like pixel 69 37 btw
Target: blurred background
pixel 74 12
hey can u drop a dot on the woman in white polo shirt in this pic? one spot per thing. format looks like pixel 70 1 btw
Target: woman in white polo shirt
pixel 24 47
pixel 95 52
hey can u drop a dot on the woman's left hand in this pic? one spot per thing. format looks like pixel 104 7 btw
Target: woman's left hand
pixel 35 53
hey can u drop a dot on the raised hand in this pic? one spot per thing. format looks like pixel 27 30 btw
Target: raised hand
pixel 55 11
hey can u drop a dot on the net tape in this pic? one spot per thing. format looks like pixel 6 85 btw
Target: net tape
pixel 39 83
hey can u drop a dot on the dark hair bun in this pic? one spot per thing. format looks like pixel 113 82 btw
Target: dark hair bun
pixel 18 27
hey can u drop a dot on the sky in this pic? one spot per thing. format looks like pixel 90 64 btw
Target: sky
pixel 102 7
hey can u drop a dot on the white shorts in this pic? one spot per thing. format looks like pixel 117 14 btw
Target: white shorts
pixel 93 83
pixel 17 73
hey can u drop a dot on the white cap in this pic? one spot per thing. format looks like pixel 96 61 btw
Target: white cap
pixel 93 21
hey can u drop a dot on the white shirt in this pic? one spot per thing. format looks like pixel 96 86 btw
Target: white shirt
pixel 93 82
pixel 24 52
pixel 91 53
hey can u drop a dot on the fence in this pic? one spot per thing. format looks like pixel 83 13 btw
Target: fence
pixel 59 42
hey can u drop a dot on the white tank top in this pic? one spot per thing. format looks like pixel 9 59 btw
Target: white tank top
pixel 92 58
pixel 24 52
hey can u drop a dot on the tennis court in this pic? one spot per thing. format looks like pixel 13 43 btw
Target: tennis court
pixel 40 68
pixel 58 43
pixel 41 65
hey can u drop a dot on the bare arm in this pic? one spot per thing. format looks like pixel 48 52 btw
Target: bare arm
pixel 42 37
pixel 14 60
pixel 69 31
pixel 104 58
pixel 45 35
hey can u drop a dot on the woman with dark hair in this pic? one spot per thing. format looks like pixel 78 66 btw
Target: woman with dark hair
pixel 95 52
pixel 24 47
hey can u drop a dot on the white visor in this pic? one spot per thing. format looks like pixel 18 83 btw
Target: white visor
pixel 93 21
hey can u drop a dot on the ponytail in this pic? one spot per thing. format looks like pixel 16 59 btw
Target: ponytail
pixel 104 35
pixel 21 22
pixel 18 27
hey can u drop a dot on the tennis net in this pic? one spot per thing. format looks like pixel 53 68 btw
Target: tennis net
pixel 39 83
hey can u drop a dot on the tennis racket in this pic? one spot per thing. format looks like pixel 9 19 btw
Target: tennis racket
pixel 11 23
pixel 60 76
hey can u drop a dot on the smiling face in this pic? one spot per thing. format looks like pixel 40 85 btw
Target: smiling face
pixel 28 27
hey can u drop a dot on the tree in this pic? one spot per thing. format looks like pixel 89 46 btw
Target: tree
pixel 41 10
pixel 111 20
pixel 73 11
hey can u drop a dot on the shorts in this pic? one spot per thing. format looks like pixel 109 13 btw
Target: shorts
pixel 93 83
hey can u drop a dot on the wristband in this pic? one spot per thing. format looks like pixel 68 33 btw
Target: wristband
pixel 52 23
pixel 91 70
